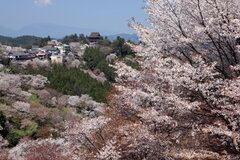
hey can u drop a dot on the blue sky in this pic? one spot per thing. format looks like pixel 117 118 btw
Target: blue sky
pixel 111 15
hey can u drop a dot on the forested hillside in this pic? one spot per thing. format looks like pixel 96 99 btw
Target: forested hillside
pixel 23 41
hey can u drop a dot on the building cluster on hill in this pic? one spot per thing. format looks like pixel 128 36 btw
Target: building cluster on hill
pixel 55 50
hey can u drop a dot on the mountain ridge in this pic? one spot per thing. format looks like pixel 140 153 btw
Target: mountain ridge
pixel 131 37
pixel 53 30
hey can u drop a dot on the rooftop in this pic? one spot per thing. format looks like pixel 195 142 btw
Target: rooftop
pixel 95 35
pixel 17 53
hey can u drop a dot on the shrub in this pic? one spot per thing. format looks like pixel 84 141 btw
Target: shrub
pixel 5 61
pixel 3 101
pixel 132 63
pixel 108 71
pixel 38 110
pixel 15 135
pixel 44 132
pixel 34 99
pixel 15 120
pixel 121 48
pixel 2 119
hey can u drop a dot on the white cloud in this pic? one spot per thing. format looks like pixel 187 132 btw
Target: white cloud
pixel 43 2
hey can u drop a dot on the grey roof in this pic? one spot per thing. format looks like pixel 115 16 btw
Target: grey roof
pixel 52 49
pixel 18 53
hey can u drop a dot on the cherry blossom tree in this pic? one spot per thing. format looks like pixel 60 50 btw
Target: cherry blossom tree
pixel 183 27
pixel 186 93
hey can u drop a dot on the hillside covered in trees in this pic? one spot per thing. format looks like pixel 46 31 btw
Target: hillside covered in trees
pixel 24 41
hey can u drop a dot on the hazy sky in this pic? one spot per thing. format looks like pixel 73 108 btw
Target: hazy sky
pixel 112 15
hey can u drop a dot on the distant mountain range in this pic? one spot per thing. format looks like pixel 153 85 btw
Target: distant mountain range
pixel 58 31
pixel 44 30
pixel 131 37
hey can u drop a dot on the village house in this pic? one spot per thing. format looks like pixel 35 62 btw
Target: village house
pixel 57 59
pixel 54 43
pixel 20 55
pixel 34 50
pixel 94 37
pixel 51 50
pixel 74 44
pixel 42 54
pixel 64 48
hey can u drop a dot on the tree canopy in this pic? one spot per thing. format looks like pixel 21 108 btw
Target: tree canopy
pixel 121 48
pixel 97 60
